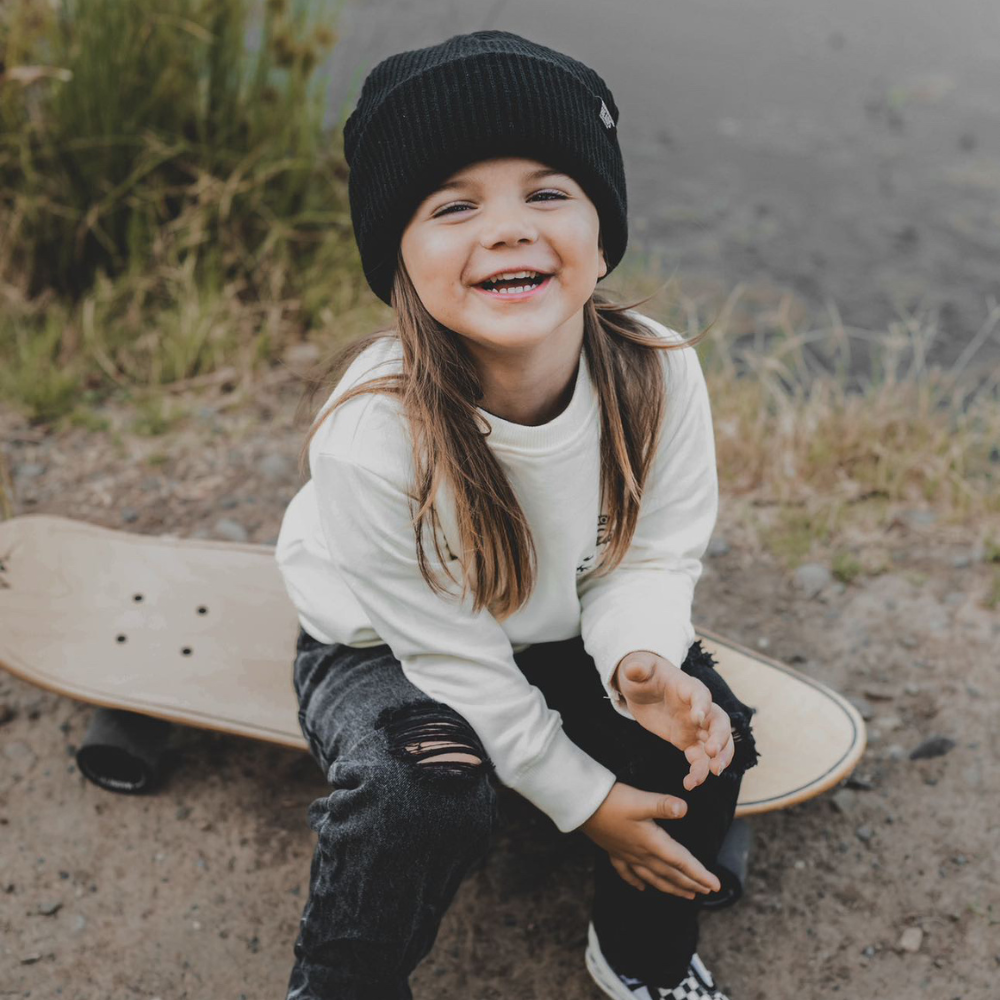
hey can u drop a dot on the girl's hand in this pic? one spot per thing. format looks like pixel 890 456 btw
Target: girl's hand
pixel 641 851
pixel 678 708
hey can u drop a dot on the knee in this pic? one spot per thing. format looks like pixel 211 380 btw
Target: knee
pixel 431 776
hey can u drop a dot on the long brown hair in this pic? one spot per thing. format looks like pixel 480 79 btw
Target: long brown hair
pixel 439 388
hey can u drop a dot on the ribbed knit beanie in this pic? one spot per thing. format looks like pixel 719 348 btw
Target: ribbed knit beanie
pixel 426 113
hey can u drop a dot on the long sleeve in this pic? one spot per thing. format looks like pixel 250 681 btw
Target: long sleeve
pixel 462 659
pixel 645 602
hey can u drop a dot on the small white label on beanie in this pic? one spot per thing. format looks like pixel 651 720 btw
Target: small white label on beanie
pixel 606 115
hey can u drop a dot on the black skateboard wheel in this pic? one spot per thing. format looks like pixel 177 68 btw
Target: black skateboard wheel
pixel 730 867
pixel 122 751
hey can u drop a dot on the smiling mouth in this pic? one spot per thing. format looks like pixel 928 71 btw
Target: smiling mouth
pixel 514 289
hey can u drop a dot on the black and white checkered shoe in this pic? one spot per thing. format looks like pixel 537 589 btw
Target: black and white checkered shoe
pixel 698 984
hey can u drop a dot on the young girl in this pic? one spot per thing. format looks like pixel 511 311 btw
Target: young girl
pixel 558 452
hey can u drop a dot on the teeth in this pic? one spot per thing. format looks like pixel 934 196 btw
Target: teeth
pixel 514 274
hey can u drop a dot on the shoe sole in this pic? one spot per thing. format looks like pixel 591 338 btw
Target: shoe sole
pixel 601 972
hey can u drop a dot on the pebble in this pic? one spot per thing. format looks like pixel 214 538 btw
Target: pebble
pixel 888 723
pixel 859 782
pixel 863 707
pixel 880 692
pixel 912 688
pixel 909 641
pixel 812 578
pixel 47 909
pixel 864 832
pixel 844 800
pixel 933 746
pixel 230 530
pixel 129 515
pixel 919 516
pixel 278 468
pixel 28 470
pixel 911 939
pixel 868 951
pixel 895 752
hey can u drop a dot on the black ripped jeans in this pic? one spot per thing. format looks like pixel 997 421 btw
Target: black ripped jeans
pixel 399 830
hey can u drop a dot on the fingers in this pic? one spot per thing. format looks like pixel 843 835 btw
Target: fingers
pixel 697 774
pixel 675 860
pixel 659 882
pixel 725 757
pixel 699 698
pixel 625 870
pixel 719 728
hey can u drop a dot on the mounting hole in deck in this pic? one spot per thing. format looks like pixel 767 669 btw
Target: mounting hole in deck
pixel 137 597
pixel 186 651
pixel 119 638
pixel 202 610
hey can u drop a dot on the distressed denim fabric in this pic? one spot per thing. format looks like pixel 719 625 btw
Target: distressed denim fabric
pixel 400 829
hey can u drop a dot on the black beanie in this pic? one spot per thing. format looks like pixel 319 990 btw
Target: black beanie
pixel 424 114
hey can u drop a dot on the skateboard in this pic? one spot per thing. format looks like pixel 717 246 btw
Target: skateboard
pixel 203 633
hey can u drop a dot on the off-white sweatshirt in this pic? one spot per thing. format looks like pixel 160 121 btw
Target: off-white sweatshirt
pixel 347 554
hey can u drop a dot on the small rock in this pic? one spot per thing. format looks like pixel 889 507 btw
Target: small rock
pixel 895 752
pixel 129 515
pixel 888 723
pixel 278 468
pixel 31 958
pixel 183 812
pixel 863 707
pixel 79 922
pixel 961 562
pixel 868 951
pixel 909 641
pixel 28 470
pixel 917 517
pixel 954 597
pixel 960 859
pixel 230 530
pixel 859 782
pixel 17 750
pixel 933 746
pixel 864 832
pixel 47 909
pixel 844 800
pixel 811 578
pixel 912 688
pixel 911 939
pixel 6 713
pixel 877 692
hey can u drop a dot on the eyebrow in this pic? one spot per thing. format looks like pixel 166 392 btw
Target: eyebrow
pixel 534 175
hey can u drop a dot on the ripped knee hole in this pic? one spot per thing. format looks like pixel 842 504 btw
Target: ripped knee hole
pixel 419 734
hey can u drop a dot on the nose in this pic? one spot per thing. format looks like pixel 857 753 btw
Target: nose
pixel 507 223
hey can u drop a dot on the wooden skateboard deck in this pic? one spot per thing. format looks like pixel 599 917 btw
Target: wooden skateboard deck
pixel 203 633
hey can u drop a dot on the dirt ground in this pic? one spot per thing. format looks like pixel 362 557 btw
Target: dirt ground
pixel 885 887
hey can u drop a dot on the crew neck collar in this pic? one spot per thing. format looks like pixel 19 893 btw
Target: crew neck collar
pixel 554 433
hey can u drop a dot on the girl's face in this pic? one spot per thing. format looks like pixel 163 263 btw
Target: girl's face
pixel 501 215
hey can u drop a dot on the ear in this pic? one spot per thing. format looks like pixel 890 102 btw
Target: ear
pixel 604 260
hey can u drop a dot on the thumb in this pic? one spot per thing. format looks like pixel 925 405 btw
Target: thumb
pixel 638 671
pixel 657 806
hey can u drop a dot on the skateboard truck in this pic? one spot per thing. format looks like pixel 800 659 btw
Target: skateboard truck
pixel 122 750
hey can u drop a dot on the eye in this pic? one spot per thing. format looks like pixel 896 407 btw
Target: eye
pixel 450 209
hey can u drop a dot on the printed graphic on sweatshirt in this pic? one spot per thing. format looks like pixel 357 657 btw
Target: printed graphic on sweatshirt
pixel 589 561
